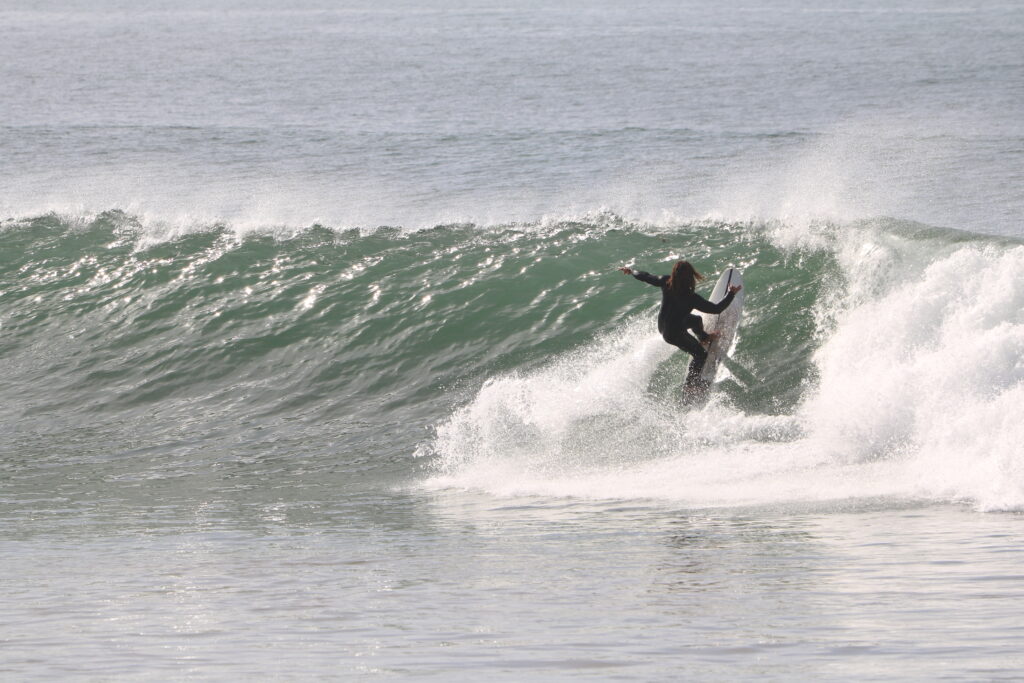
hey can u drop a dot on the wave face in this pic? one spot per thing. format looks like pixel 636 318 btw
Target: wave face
pixel 875 359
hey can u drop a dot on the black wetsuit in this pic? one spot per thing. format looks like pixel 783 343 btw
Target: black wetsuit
pixel 676 317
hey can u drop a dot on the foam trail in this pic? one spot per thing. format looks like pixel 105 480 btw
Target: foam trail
pixel 587 426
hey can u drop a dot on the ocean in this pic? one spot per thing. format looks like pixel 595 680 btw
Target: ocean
pixel 316 362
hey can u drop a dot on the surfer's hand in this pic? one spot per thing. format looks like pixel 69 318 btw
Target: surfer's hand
pixel 735 288
pixel 627 270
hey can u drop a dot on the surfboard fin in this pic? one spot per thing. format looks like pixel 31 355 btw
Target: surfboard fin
pixel 742 374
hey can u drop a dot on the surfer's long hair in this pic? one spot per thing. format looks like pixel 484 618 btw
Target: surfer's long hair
pixel 684 278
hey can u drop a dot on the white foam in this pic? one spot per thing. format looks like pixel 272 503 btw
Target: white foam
pixel 931 372
pixel 921 381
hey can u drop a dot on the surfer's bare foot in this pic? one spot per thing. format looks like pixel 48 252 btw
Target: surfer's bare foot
pixel 712 336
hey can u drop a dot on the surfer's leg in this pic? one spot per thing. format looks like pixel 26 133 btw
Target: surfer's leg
pixel 687 343
pixel 696 323
pixel 693 379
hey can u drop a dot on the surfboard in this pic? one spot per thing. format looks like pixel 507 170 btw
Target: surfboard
pixel 725 323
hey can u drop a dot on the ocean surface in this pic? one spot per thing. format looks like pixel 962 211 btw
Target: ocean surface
pixel 315 361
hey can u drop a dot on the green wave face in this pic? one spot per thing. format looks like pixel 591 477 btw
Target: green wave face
pixel 353 321
pixel 356 347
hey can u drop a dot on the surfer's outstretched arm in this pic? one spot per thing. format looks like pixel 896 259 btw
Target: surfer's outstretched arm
pixel 643 276
pixel 702 304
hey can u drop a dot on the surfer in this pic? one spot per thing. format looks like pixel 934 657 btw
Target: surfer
pixel 676 318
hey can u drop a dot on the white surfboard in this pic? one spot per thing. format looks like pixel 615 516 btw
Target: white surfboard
pixel 724 323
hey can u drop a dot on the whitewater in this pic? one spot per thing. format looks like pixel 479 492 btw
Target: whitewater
pixel 910 393
pixel 315 359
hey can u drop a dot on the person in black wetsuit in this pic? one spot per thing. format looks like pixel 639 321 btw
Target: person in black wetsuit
pixel 678 299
